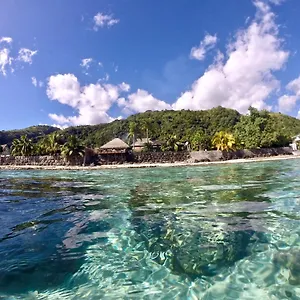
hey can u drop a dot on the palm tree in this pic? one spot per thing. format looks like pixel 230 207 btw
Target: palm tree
pixel 22 146
pixel 172 144
pixel 146 126
pixel 223 141
pixel 72 148
pixel 52 143
pixel 132 132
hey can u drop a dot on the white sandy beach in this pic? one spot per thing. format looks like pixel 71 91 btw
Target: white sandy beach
pixel 148 165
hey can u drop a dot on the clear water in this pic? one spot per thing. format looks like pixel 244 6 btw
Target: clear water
pixel 213 232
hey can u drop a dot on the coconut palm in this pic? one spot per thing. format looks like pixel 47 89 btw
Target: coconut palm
pixel 22 146
pixel 132 132
pixel 172 144
pixel 72 148
pixel 146 126
pixel 224 141
pixel 52 143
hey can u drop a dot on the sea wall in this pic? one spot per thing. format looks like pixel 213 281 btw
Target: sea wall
pixel 160 157
pixel 207 156
pixel 46 160
pixel 144 157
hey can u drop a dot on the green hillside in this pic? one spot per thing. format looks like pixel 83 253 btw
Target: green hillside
pixel 161 124
pixel 257 129
pixel 33 132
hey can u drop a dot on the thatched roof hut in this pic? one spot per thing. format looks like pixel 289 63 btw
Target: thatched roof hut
pixel 141 142
pixel 115 144
pixel 115 151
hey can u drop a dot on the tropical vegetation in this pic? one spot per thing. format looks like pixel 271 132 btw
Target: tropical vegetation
pixel 72 148
pixel 218 128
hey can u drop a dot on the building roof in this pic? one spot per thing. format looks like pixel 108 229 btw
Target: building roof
pixel 115 144
pixel 141 142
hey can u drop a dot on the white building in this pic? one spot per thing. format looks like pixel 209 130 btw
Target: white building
pixel 296 139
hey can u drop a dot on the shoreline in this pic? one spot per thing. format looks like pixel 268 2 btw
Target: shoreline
pixel 148 165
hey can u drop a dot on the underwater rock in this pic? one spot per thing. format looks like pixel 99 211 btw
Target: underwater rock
pixel 193 245
pixel 289 260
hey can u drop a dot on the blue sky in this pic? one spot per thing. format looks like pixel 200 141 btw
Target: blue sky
pixel 77 62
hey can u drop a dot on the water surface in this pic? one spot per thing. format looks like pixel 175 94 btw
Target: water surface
pixel 209 232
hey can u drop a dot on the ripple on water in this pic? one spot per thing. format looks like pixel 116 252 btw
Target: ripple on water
pixel 221 232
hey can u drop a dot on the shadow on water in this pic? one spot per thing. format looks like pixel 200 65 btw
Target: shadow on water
pixel 44 232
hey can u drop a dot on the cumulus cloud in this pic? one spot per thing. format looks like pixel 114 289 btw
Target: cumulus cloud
pixel 102 20
pixel 287 103
pixel 6 39
pixel 142 101
pixel 92 101
pixel 244 76
pixel 208 43
pixel 294 86
pixel 60 119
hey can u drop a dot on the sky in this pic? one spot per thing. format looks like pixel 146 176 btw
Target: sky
pixel 74 62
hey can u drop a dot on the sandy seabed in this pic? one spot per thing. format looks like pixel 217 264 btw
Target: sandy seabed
pixel 148 165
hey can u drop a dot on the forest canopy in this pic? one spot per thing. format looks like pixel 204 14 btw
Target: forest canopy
pixel 255 130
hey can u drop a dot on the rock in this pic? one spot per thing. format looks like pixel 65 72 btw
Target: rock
pixel 195 247
pixel 289 260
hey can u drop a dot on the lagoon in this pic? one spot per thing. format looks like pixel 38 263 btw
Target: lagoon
pixel 209 232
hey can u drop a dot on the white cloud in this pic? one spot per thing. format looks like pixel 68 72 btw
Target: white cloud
pixel 25 55
pixel 8 62
pixel 59 126
pixel 64 88
pixel 34 81
pixel 208 43
pixel 6 39
pixel 105 78
pixel 5 61
pixel 245 76
pixel 277 2
pixel 102 20
pixel 86 62
pixel 287 103
pixel 124 87
pixel 142 101
pixel 294 86
pixel 60 119
pixel 92 101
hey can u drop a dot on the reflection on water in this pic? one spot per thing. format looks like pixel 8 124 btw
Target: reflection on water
pixel 215 232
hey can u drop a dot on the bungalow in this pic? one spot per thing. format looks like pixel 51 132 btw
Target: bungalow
pixel 115 151
pixel 139 145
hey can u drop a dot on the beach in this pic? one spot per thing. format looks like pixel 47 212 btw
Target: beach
pixel 148 165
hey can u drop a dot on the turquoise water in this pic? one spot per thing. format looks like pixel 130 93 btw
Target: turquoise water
pixel 209 232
